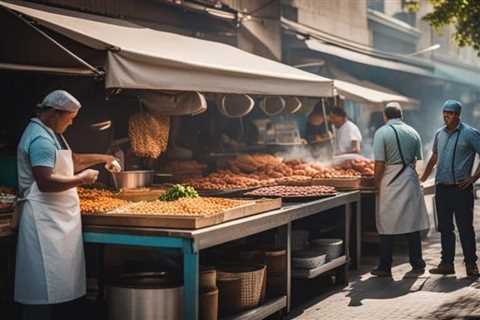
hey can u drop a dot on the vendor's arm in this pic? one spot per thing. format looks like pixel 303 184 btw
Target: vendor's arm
pixel 474 141
pixel 379 157
pixel 428 170
pixel 85 160
pixel 432 162
pixel 47 181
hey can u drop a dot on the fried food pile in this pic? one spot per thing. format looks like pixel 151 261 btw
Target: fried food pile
pixel 293 191
pixel 148 134
pixel 98 200
pixel 202 207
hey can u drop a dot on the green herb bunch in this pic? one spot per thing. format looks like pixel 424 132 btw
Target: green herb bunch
pixel 178 191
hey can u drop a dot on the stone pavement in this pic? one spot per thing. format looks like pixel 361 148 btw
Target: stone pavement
pixel 404 297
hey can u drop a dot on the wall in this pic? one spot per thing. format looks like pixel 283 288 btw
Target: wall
pixel 262 34
pixel 343 18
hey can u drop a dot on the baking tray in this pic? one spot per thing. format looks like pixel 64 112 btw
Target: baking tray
pixel 225 193
pixel 292 199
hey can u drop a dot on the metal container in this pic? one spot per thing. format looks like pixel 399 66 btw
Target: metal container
pixel 133 179
pixel 146 296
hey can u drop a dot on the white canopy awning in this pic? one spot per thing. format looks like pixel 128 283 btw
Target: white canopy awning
pixel 143 58
pixel 372 97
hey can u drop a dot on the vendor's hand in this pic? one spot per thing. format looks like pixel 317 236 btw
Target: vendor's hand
pixel 88 176
pixel 467 183
pixel 112 164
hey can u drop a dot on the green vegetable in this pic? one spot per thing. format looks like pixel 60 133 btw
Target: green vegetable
pixel 178 191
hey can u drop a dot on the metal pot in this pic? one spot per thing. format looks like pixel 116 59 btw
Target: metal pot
pixel 146 296
pixel 132 179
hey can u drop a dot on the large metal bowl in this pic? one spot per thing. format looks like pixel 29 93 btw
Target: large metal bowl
pixel 146 296
pixel 133 179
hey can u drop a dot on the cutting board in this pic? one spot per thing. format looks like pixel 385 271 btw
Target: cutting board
pixel 137 195
pixel 182 222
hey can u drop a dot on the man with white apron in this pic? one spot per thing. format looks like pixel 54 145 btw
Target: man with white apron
pixel 50 265
pixel 454 150
pixel 401 205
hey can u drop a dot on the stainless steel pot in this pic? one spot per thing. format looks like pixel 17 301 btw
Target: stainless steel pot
pixel 133 179
pixel 146 296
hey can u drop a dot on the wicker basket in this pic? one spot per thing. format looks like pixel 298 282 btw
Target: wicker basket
pixel 338 183
pixel 208 302
pixel 252 283
pixel 208 279
pixel 229 299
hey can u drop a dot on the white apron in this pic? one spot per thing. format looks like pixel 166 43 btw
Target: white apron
pixel 401 204
pixel 50 264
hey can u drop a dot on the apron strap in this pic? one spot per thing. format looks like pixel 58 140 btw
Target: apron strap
pixel 401 155
pixel 454 153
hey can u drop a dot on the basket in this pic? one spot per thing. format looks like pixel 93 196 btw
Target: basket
pixel 333 247
pixel 252 283
pixel 208 302
pixel 276 261
pixel 339 183
pixel 308 259
pixel 229 298
pixel 208 279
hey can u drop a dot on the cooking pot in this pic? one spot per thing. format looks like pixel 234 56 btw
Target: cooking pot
pixel 146 296
pixel 132 179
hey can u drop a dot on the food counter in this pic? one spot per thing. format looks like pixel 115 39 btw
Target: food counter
pixel 191 242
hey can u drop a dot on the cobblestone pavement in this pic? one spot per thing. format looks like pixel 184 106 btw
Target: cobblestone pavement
pixel 404 297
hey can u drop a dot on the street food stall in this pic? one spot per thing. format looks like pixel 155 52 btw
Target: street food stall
pixel 287 216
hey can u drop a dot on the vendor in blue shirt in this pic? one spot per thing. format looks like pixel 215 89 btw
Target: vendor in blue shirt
pixel 454 150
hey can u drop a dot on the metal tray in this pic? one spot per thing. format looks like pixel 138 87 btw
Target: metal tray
pixel 292 199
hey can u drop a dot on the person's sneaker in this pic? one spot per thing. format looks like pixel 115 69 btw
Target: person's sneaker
pixel 381 273
pixel 472 270
pixel 443 269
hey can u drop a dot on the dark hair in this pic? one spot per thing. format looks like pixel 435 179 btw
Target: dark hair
pixel 339 112
pixel 393 112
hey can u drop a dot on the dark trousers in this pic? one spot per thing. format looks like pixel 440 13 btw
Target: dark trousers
pixel 452 201
pixel 414 248
pixel 71 310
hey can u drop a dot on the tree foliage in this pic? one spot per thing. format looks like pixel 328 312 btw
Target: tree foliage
pixel 463 14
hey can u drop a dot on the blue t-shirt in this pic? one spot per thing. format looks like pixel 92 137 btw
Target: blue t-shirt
pixel 37 148
pixel 455 153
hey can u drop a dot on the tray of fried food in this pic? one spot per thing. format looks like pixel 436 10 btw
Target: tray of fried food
pixel 342 179
pixel 98 200
pixel 294 193
pixel 198 207
pixel 249 163
pixel 294 181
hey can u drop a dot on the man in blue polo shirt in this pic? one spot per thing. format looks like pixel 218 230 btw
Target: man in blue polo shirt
pixel 454 151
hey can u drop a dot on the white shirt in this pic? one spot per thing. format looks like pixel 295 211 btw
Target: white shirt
pixel 347 133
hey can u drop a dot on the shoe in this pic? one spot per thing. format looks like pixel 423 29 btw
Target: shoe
pixel 381 273
pixel 443 269
pixel 417 271
pixel 472 270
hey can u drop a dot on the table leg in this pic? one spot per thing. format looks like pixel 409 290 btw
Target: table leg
pixel 289 265
pixel 358 227
pixel 190 282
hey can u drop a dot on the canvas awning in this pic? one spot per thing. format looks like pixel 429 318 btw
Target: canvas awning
pixel 371 97
pixel 143 58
